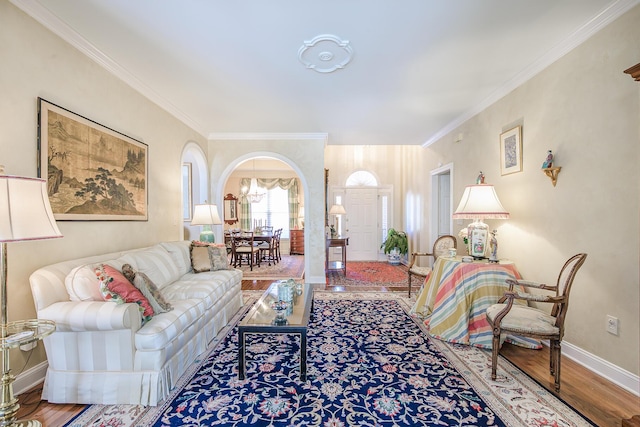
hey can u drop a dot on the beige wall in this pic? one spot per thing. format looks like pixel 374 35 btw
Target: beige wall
pixel 585 109
pixel 35 63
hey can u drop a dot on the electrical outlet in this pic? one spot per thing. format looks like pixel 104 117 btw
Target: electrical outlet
pixel 612 325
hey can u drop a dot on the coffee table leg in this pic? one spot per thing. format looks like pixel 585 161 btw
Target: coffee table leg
pixel 303 356
pixel 240 354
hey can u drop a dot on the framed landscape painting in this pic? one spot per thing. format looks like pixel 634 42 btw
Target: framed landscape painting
pixel 511 151
pixel 92 172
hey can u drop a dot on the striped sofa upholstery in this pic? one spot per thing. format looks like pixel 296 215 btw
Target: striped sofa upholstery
pixel 101 353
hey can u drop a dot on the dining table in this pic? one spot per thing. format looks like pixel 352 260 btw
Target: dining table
pixel 456 295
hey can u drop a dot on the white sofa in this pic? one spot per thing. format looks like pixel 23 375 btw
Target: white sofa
pixel 101 352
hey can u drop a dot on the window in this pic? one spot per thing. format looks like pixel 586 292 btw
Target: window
pixel 361 179
pixel 273 210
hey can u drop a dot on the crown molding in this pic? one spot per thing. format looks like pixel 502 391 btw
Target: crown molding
pixel 269 136
pixel 41 14
pixel 604 18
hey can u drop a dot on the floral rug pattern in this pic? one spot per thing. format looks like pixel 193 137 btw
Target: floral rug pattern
pixel 291 266
pixel 369 364
pixel 369 273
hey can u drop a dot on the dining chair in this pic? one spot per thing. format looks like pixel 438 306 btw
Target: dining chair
pixel 268 249
pixel 277 236
pixel 507 317
pixel 440 247
pixel 243 247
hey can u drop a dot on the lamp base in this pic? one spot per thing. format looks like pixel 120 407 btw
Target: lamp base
pixel 207 235
pixel 478 233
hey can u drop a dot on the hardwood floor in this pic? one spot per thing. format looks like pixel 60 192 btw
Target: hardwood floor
pixel 604 403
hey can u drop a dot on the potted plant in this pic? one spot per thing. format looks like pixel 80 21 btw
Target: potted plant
pixel 395 244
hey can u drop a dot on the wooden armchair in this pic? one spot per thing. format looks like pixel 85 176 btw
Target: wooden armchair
pixel 507 317
pixel 440 247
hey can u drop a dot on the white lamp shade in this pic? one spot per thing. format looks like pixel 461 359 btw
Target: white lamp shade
pixel 480 201
pixel 206 215
pixel 25 213
pixel 337 210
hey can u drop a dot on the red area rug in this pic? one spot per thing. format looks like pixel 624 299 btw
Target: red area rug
pixel 369 273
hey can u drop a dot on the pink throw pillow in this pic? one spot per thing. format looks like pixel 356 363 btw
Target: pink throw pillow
pixel 117 283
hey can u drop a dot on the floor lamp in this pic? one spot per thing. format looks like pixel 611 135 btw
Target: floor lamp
pixel 25 214
pixel 206 215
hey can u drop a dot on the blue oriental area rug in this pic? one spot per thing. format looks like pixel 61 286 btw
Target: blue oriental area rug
pixel 369 364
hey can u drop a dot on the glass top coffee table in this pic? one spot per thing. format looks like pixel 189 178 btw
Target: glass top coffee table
pixel 263 319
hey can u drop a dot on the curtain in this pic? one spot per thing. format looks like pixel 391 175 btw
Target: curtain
pixel 290 184
pixel 245 206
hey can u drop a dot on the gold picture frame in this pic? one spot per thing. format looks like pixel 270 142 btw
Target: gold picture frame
pixel 93 172
pixel 511 151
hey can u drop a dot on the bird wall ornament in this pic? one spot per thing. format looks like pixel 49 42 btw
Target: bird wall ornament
pixel 548 161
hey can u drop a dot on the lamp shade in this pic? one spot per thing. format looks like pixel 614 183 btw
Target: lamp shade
pixel 337 210
pixel 480 201
pixel 25 213
pixel 206 215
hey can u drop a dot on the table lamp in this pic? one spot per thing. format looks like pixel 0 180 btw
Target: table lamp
pixel 25 214
pixel 206 215
pixel 337 210
pixel 479 202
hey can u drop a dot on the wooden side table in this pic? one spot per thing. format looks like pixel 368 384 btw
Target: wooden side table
pixel 337 242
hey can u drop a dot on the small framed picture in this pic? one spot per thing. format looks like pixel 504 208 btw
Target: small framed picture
pixel 511 151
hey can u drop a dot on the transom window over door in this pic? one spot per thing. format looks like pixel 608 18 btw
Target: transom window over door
pixel 361 179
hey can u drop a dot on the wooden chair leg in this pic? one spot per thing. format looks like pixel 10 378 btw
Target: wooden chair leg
pixel 557 356
pixel 495 351
pixel 409 284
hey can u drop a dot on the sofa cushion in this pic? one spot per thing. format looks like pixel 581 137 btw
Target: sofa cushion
pixel 208 287
pixel 82 284
pixel 179 251
pixel 166 327
pixel 117 288
pixel 155 262
pixel 142 282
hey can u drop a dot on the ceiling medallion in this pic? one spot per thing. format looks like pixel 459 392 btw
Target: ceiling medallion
pixel 325 53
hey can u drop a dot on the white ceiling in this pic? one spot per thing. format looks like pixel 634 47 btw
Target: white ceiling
pixel 419 67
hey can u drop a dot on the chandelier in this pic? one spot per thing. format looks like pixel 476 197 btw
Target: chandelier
pixel 255 193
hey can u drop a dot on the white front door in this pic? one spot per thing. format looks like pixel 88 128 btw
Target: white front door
pixel 361 224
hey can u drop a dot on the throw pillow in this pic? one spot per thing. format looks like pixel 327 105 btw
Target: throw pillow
pixel 81 284
pixel 115 287
pixel 200 257
pixel 218 258
pixel 148 289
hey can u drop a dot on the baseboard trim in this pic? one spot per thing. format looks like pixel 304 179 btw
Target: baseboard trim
pixel 30 378
pixel 599 366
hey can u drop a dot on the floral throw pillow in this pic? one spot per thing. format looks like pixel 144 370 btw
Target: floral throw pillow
pixel 115 287
pixel 148 289
pixel 218 258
